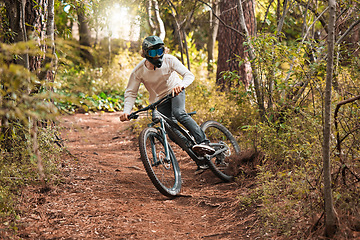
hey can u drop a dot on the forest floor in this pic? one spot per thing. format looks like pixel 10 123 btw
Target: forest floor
pixel 105 193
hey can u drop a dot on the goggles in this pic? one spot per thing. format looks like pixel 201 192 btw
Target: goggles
pixel 155 52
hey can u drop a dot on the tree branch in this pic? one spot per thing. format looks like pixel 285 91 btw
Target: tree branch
pixel 338 144
pixel 222 22
pixel 347 32
pixel 314 11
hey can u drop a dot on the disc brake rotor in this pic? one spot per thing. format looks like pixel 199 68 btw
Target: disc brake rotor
pixel 165 162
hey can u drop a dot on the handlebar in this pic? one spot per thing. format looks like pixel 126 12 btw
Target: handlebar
pixel 134 115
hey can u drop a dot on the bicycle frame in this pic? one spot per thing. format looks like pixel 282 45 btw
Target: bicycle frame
pixel 167 124
pixel 162 127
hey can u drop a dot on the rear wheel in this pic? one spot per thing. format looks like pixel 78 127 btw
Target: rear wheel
pixel 164 173
pixel 221 139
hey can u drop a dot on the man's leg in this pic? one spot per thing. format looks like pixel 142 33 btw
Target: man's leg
pixel 165 109
pixel 178 110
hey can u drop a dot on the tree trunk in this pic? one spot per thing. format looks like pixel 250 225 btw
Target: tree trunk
pixel 26 17
pixel 84 36
pixel 213 32
pixel 231 44
pixel 177 29
pixel 159 21
pixel 331 220
pixel 150 18
pixel 48 73
pixel 159 26
pixel 50 28
pixel 16 14
pixel 257 85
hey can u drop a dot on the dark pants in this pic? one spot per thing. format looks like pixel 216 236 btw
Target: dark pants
pixel 175 109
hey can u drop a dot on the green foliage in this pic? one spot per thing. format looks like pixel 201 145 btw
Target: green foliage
pixel 23 95
pixel 288 184
pixel 289 181
pixel 83 103
pixel 19 167
pixel 283 194
pixel 24 100
pixel 84 88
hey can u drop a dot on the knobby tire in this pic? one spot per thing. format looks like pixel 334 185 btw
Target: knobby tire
pixel 164 174
pixel 220 165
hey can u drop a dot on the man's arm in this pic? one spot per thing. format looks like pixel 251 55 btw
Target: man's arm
pixel 176 65
pixel 131 93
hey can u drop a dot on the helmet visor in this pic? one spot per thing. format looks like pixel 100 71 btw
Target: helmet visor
pixel 155 52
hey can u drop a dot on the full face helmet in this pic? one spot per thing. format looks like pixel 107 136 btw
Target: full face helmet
pixel 153 48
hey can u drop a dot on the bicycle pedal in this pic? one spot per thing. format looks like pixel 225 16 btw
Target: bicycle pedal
pixel 203 149
pixel 201 169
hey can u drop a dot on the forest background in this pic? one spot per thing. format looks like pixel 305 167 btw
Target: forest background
pixel 282 75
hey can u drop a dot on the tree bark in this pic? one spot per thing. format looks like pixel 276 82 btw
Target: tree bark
pixel 16 15
pixel 84 36
pixel 48 73
pixel 251 52
pixel 159 21
pixel 231 44
pixel 150 17
pixel 26 17
pixel 331 220
pixel 213 32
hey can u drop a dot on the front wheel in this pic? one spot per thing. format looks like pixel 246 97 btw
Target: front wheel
pixel 164 173
pixel 225 145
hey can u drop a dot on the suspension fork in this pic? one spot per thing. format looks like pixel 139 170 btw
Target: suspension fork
pixel 163 133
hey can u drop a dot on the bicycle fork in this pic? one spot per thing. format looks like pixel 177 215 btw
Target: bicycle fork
pixel 164 157
pixel 166 145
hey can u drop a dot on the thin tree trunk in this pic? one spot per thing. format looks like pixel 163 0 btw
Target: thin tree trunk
pixel 16 16
pixel 251 52
pixel 15 10
pixel 186 49
pixel 50 33
pixel 150 21
pixel 160 22
pixel 50 28
pixel 282 19
pixel 214 27
pixel 331 220
pixel 36 151
pixel 178 31
pixel 84 35
pixel 179 34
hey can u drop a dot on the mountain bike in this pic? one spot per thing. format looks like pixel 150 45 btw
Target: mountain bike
pixel 159 159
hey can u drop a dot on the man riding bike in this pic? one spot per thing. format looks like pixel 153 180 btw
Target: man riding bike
pixel 159 72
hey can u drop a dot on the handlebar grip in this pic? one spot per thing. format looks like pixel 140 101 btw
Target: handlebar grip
pixel 133 116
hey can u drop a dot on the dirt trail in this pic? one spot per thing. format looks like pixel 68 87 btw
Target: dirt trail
pixel 106 193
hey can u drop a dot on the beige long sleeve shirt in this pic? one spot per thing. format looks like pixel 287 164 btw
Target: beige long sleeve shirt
pixel 158 82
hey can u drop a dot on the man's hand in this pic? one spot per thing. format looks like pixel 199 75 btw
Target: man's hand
pixel 176 90
pixel 124 117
